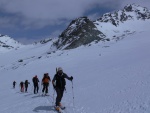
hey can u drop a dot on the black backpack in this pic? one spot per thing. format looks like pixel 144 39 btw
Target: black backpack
pixel 60 81
pixel 35 80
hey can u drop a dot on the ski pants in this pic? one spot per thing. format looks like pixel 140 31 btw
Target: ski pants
pixel 22 89
pixel 59 92
pixel 36 88
pixel 26 88
pixel 45 87
pixel 13 85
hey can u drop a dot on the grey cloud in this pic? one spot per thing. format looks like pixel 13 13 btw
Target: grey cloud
pixel 39 13
pixel 6 22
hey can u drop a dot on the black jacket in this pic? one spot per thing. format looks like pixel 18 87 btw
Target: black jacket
pixel 60 80
pixel 26 83
pixel 35 80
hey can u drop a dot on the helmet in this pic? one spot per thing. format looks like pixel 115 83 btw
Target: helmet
pixel 60 69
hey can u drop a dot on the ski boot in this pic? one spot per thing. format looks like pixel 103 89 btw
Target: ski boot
pixel 61 106
pixel 57 108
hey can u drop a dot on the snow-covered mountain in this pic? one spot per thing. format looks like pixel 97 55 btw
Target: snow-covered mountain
pixel 7 43
pixel 133 18
pixel 110 27
pixel 130 12
pixel 82 31
pixel 109 77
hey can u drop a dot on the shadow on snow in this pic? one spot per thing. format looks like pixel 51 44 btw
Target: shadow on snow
pixel 44 108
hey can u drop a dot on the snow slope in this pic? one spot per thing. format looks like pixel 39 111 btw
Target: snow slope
pixel 108 77
pixel 7 44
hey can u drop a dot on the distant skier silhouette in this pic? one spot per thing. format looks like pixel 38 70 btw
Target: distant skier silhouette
pixel 26 85
pixel 22 86
pixel 14 84
pixel 35 83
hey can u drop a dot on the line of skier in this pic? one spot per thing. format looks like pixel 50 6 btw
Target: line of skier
pixel 45 82
pixel 58 83
pixel 23 85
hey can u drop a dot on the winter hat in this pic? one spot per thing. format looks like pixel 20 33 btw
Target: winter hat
pixel 60 69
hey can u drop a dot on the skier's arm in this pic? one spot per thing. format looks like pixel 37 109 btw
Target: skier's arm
pixel 42 80
pixel 49 78
pixel 53 81
pixel 69 78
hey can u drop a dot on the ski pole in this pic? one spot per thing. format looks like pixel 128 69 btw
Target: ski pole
pixel 49 89
pixel 72 93
pixel 53 97
pixel 19 89
pixel 32 89
pixel 40 87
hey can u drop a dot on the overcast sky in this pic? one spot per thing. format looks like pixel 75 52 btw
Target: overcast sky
pixel 32 20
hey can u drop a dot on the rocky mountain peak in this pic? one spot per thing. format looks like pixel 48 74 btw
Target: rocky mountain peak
pixel 80 31
pixel 130 12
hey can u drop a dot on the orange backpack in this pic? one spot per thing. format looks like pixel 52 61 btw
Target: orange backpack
pixel 46 79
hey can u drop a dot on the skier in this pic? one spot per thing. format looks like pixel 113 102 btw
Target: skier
pixel 26 85
pixel 35 83
pixel 22 86
pixel 14 83
pixel 59 85
pixel 45 82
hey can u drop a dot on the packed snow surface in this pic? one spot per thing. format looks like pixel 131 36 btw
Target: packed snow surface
pixel 112 77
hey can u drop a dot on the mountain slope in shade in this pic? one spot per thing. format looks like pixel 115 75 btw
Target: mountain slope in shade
pixel 80 32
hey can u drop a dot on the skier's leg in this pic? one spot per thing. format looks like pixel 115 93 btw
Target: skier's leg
pixel 47 88
pixel 37 88
pixel 58 98
pixel 34 88
pixel 43 88
pixel 61 94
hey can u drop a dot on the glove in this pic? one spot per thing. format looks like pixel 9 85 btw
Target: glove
pixel 54 86
pixel 71 78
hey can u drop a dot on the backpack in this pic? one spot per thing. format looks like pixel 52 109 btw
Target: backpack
pixel 35 80
pixel 46 80
pixel 60 81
